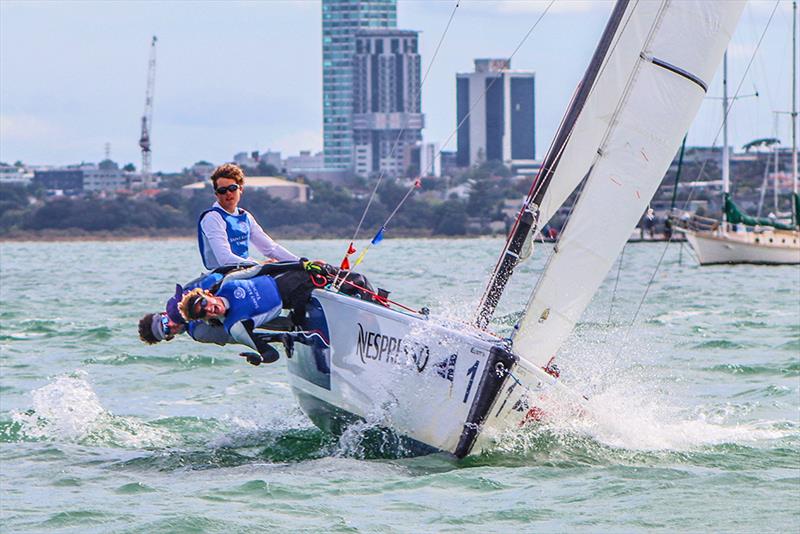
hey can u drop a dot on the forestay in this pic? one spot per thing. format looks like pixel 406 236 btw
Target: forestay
pixel 650 86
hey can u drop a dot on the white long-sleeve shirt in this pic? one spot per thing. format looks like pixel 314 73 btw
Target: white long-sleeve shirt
pixel 218 249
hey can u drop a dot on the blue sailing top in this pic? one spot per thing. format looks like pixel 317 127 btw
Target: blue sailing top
pixel 237 228
pixel 255 298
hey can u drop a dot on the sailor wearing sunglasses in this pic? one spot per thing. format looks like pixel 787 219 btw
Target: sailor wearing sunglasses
pixel 226 231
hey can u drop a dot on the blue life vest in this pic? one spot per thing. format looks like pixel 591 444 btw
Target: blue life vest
pixel 204 281
pixel 238 229
pixel 254 298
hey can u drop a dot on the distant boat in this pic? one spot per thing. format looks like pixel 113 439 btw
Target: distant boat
pixel 738 237
pixel 457 387
pixel 742 239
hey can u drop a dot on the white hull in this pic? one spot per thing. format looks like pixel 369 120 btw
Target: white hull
pixel 775 248
pixel 445 388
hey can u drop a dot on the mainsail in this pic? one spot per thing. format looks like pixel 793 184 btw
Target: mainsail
pixel 648 89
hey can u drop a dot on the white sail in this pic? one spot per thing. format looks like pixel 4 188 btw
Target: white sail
pixel 647 93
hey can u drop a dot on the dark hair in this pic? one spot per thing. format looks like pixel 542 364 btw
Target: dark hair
pixel 145 330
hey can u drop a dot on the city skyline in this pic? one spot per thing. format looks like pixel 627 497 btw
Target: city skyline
pixel 248 76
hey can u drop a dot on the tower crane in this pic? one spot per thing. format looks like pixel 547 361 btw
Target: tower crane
pixel 147 116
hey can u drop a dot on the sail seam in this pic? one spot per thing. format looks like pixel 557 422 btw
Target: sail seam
pixel 675 69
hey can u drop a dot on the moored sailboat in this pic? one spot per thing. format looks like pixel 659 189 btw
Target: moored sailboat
pixel 454 388
pixel 739 238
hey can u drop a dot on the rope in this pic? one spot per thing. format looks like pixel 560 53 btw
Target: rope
pixel 716 138
pixel 377 297
pixel 616 283
pixel 738 88
pixel 469 112
pixel 402 130
pixel 438 155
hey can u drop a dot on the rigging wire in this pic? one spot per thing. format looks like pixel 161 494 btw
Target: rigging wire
pixel 536 186
pixel 483 94
pixel 403 129
pixel 616 283
pixel 716 138
pixel 416 184
pixel 541 177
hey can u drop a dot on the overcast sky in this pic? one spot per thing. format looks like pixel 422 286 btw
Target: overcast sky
pixel 234 76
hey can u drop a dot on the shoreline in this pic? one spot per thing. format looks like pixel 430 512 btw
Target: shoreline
pixel 102 237
pixel 277 237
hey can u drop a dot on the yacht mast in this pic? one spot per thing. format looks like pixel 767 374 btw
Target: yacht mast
pixel 726 163
pixel 527 222
pixel 794 98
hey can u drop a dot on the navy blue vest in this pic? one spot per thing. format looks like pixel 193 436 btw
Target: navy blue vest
pixel 236 226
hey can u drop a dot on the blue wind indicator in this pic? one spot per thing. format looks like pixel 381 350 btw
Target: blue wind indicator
pixel 378 237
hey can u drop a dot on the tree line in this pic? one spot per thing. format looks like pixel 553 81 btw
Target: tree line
pixel 332 210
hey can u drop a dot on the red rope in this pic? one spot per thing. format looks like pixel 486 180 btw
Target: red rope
pixel 382 300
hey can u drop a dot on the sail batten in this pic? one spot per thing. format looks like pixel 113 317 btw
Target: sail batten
pixel 622 143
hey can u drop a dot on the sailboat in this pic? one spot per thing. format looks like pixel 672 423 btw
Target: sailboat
pixel 457 387
pixel 738 237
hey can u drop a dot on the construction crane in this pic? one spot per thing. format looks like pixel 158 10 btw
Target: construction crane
pixel 147 117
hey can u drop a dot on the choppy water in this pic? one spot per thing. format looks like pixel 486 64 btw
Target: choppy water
pixel 694 422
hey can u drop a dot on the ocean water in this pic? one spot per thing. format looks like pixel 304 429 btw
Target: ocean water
pixel 694 420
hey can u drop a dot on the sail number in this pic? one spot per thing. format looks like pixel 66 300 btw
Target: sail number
pixel 471 372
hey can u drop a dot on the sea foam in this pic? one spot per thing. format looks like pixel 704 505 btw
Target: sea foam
pixel 68 409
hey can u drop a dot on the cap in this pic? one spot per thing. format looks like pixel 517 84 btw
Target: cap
pixel 172 306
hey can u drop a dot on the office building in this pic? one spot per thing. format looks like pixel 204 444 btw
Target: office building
pixel 341 19
pixel 426 159
pixel 106 177
pixel 11 174
pixel 387 119
pixel 501 125
pixel 303 162
pixel 68 181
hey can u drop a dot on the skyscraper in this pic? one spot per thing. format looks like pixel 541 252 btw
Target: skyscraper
pixel 502 124
pixel 387 120
pixel 341 19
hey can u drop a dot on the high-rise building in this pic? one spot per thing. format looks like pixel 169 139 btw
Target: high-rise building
pixel 501 125
pixel 426 159
pixel 387 120
pixel 341 19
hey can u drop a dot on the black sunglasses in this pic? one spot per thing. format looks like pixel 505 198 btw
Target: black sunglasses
pixel 200 313
pixel 231 188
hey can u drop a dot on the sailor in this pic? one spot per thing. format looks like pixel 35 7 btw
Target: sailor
pixel 294 282
pixel 164 326
pixel 251 298
pixel 156 327
pixel 226 232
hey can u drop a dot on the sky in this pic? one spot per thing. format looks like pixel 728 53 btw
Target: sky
pixel 243 76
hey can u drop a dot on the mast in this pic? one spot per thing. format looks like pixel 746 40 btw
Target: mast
pixel 528 218
pixel 618 152
pixel 726 163
pixel 678 175
pixel 775 169
pixel 794 102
